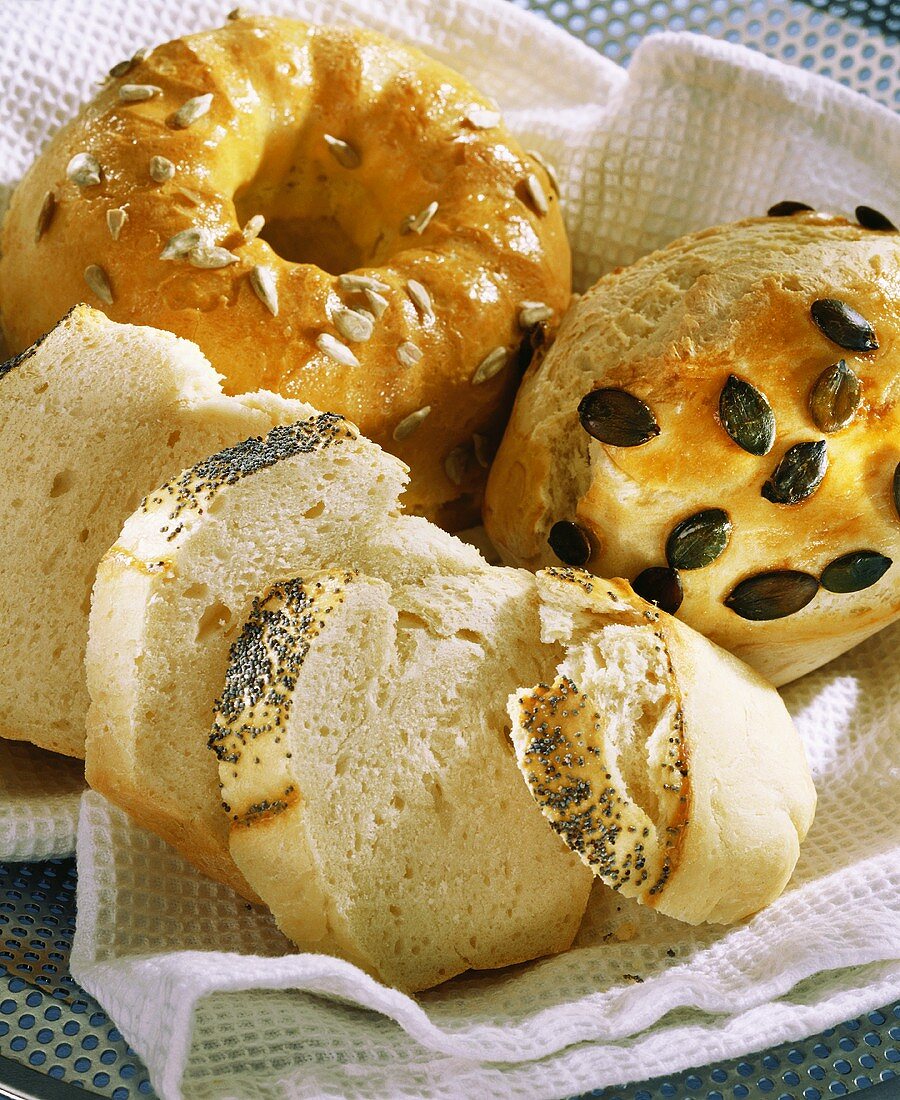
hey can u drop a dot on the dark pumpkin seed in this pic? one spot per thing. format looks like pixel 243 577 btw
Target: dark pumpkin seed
pixel 843 325
pixel 747 416
pixel 869 218
pixel 617 417
pixel 45 216
pixel 772 595
pixel 798 474
pixel 660 586
pixel 570 543
pixel 698 540
pixel 786 208
pixel 835 397
pixel 855 571
pixel 896 487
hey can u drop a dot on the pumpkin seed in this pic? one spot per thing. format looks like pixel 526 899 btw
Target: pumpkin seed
pixel 661 586
pixel 855 571
pixel 570 543
pixel 480 447
pixel 747 416
pixel 547 166
pixel 697 541
pixel 179 245
pixel 45 216
pixel 532 313
pixel 418 223
pixel 896 488
pixel 338 351
pixel 408 354
pixel 421 299
pixel 353 283
pixel 798 474
pixel 352 325
pixel 870 218
pixel 210 257
pixel 617 417
pixel 537 196
pixel 843 325
pixel 772 595
pixel 786 209
pixel 253 227
pixel 456 464
pixel 137 93
pixel 835 397
pixel 377 302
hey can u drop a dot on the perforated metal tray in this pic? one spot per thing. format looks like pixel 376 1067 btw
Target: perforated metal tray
pixel 55 1041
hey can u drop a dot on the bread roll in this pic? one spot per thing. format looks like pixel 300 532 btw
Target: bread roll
pixel 374 798
pixel 670 767
pixel 173 593
pixel 91 417
pixel 682 423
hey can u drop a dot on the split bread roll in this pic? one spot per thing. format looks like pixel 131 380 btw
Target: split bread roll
pixel 375 803
pixel 719 423
pixel 91 417
pixel 174 591
pixel 669 766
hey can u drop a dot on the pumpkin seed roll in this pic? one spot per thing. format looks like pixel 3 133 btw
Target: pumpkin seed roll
pixel 719 425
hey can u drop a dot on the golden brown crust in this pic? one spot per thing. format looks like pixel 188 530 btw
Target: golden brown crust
pixel 489 247
pixel 671 330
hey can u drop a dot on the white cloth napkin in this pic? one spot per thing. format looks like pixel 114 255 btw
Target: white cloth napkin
pixel 203 986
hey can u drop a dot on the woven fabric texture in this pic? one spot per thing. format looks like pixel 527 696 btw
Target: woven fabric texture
pixel 205 988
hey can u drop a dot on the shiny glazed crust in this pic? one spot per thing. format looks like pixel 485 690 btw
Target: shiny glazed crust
pixel 421 135
pixel 671 329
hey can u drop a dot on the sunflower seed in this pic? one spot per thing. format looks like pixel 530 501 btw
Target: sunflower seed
pixel 855 571
pixel 547 166
pixel 342 151
pixel 747 416
pixel 141 55
pixel 253 228
pixel 161 169
pixel 210 257
pixel 352 325
pixel 137 93
pixel 377 303
pixel 121 68
pixel 532 313
pixel 896 489
pixel 239 13
pixel 45 216
pixel 421 299
pixel 491 364
pixel 772 595
pixel 570 543
pixel 786 209
pixel 361 283
pixel 418 223
pixel 843 325
pixel 115 221
pixel 480 446
pixel 188 113
pixel 870 218
pixel 408 424
pixel 369 316
pixel 338 351
pixel 697 541
pixel 835 397
pixel 481 118
pixel 456 464
pixel 617 417
pixel 661 586
pixel 97 279
pixel 798 474
pixel 536 193
pixel 84 170
pixel 262 279
pixel 178 246
pixel 408 354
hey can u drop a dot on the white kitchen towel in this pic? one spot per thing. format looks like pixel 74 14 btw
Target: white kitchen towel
pixel 204 987
pixel 39 796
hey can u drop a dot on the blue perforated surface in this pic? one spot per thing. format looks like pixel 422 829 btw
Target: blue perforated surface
pixel 47 1023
